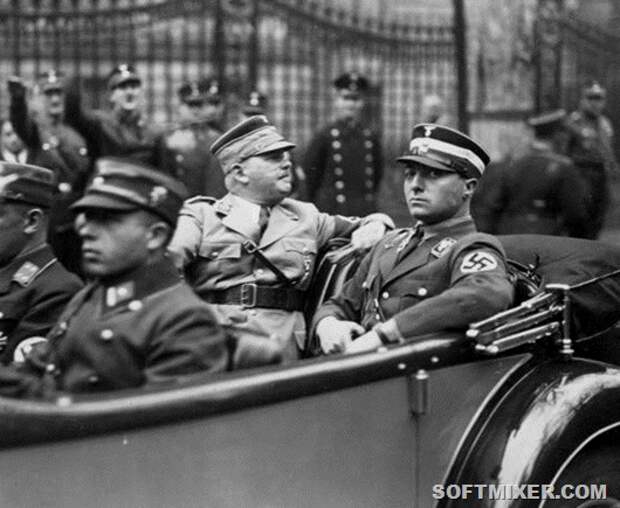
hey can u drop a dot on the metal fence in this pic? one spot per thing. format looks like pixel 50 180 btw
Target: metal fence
pixel 290 50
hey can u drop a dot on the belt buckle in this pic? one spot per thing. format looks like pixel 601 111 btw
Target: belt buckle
pixel 248 295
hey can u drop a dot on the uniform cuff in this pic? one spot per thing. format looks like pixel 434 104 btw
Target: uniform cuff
pixel 389 331
pixel 379 217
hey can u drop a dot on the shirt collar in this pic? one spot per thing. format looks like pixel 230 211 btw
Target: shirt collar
pixel 249 209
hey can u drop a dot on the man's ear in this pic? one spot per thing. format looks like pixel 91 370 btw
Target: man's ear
pixel 158 235
pixel 470 187
pixel 33 220
pixel 239 173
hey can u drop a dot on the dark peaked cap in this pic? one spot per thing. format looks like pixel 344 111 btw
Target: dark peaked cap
pixel 547 123
pixel 120 184
pixel 250 137
pixel 25 183
pixel 447 150
pixel 352 81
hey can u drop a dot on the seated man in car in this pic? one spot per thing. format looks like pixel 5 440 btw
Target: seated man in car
pixel 439 274
pixel 252 253
pixel 34 286
pixel 136 322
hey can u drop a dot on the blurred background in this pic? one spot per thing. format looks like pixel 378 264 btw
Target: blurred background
pixel 493 62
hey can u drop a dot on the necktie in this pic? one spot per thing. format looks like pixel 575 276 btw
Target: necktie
pixel 410 242
pixel 263 219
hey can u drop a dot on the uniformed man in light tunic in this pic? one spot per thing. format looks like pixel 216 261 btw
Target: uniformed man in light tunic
pixel 252 253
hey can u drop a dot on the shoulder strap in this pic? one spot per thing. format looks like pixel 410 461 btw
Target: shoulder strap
pixel 251 248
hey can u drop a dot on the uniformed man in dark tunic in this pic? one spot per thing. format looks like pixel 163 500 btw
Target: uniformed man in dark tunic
pixel 12 147
pixel 55 145
pixel 185 152
pixel 34 286
pixel 591 149
pixel 122 131
pixel 540 192
pixel 439 274
pixel 136 322
pixel 343 162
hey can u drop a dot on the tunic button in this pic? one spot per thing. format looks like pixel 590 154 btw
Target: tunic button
pixel 369 171
pixel 368 158
pixel 135 305
pixel 50 367
pixel 377 317
pixel 64 187
pixel 46 146
pixel 106 334
pixel 338 171
pixel 94 379
pixel 179 158
pixel 336 145
pixel 337 157
pixel 385 295
pixel 63 326
pixel 422 292
pixel 370 184
pixel 335 133
pixel 83 151
pixel 1 315
pixel 340 198
pixel 368 144
pixel 339 184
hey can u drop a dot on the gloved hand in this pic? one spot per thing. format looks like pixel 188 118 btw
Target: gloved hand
pixel 367 235
pixel 334 334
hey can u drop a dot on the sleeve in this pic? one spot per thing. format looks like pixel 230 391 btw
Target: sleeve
pixel 190 341
pixel 347 305
pixel 313 164
pixel 24 125
pixel 339 226
pixel 479 287
pixel 185 243
pixel 86 123
pixel 572 202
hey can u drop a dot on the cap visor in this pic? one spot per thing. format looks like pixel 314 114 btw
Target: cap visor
pixel 278 145
pixel 131 79
pixel 104 202
pixel 426 162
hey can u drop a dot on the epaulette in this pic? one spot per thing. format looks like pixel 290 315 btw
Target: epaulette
pixel 29 271
pixel 201 199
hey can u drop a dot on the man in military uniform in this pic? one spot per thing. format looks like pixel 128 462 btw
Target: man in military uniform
pixel 591 148
pixel 34 286
pixel 343 163
pixel 137 322
pixel 253 252
pixel 12 148
pixel 57 146
pixel 438 275
pixel 121 132
pixel 540 192
pixel 185 150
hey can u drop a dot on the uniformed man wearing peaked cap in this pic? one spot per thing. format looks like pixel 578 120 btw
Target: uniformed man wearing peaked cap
pixel 540 192
pixel 439 274
pixel 252 253
pixel 184 151
pixel 53 144
pixel 591 147
pixel 136 322
pixel 255 104
pixel 34 286
pixel 343 161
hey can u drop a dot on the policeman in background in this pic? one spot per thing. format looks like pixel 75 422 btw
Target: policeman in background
pixel 12 148
pixel 123 131
pixel 438 275
pixel 540 192
pixel 34 286
pixel 57 146
pixel 591 149
pixel 185 152
pixel 136 322
pixel 343 162
pixel 252 253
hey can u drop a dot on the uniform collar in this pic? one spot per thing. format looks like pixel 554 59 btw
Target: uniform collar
pixel 26 267
pixel 449 225
pixel 139 284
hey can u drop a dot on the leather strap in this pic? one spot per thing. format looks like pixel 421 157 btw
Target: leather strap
pixel 251 248
pixel 253 295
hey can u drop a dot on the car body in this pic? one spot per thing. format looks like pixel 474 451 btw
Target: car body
pixel 386 428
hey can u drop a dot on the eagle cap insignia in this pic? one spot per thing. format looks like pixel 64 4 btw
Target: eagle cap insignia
pixel 428 129
pixel 157 195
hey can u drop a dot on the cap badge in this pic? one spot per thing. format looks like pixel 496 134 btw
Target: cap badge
pixel 124 70
pixel 428 129
pixel 158 194
pixel 214 89
pixel 52 77
pixel 254 99
pixel 98 181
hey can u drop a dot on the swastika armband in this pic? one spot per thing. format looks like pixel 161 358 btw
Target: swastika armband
pixel 478 261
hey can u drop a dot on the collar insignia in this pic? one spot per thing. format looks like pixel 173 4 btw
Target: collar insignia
pixel 26 273
pixel 115 295
pixel 442 248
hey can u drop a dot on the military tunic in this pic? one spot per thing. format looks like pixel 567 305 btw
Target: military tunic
pixel 209 242
pixel 591 149
pixel 343 166
pixel 185 155
pixel 34 289
pixel 455 276
pixel 60 148
pixel 539 193
pixel 147 327
pixel 109 134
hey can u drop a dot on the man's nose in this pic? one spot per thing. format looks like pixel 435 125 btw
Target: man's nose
pixel 82 226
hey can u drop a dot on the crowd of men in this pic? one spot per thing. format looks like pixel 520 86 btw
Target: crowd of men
pixel 133 255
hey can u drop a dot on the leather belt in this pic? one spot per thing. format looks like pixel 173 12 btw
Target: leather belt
pixel 252 295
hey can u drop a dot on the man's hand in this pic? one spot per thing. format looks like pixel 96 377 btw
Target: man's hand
pixel 367 342
pixel 335 334
pixel 16 87
pixel 366 236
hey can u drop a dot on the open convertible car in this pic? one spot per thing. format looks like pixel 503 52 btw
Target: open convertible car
pixel 528 396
